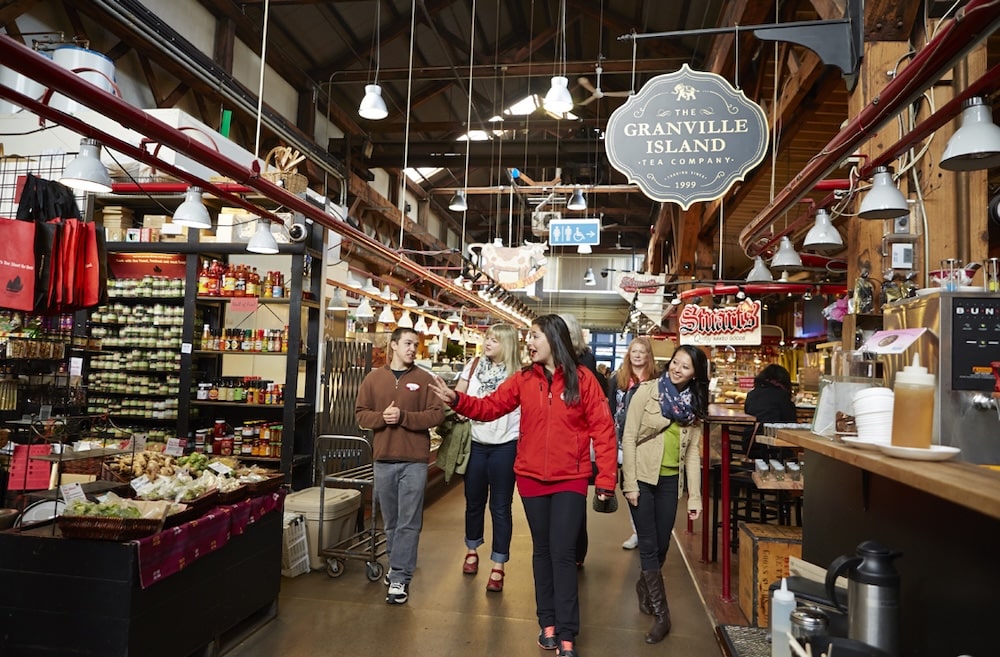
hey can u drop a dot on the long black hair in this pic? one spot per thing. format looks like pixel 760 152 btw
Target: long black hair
pixel 563 353
pixel 699 384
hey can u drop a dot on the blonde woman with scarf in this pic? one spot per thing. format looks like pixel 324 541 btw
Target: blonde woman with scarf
pixel 489 474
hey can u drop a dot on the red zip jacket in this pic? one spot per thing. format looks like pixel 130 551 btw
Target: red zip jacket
pixel 554 443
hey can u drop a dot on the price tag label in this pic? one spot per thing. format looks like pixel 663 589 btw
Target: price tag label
pixel 243 304
pixel 72 493
pixel 138 482
pixel 174 447
pixel 139 442
pixel 185 347
pixel 75 366
pixel 220 468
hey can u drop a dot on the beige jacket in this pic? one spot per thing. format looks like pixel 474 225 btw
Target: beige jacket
pixel 642 446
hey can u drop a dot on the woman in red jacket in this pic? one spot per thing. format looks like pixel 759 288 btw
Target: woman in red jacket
pixel 562 408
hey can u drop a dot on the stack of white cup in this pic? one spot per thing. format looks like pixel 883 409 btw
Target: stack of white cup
pixel 873 414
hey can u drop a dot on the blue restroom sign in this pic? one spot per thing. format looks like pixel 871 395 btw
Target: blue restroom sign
pixel 574 232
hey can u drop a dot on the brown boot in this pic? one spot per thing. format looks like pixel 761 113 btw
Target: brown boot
pixel 642 591
pixel 658 602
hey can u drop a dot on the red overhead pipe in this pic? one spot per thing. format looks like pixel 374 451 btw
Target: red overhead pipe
pixel 24 60
pixel 172 188
pixel 973 23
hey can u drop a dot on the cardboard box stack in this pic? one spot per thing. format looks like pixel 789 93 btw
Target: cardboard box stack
pixel 117 220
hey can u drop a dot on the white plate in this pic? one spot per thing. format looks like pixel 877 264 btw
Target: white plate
pixel 854 441
pixel 935 453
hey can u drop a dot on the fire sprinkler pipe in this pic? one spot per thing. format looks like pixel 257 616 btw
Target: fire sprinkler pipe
pixel 24 60
pixel 973 23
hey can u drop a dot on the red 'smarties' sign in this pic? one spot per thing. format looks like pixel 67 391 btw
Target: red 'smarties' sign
pixel 686 136
pixel 736 325
pixel 644 285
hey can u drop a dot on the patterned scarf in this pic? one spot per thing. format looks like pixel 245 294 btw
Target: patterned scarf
pixel 674 404
pixel 490 375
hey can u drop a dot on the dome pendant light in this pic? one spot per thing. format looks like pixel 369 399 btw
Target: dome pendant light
pixel 263 241
pixel 576 201
pixel 337 301
pixel 883 200
pixel 976 145
pixel 758 273
pixel 589 279
pixel 786 257
pixel 192 212
pixel 823 236
pixel 458 202
pixel 373 105
pixel 86 172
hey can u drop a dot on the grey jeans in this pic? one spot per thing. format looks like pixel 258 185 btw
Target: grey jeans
pixel 400 489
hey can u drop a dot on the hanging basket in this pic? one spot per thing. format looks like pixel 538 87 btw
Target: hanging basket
pixel 284 160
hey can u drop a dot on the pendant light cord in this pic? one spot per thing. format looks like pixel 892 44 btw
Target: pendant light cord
pixel 406 131
pixel 260 82
pixel 468 120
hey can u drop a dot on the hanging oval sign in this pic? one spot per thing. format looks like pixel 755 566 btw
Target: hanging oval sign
pixel 686 136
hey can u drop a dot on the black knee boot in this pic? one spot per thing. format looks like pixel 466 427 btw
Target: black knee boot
pixel 643 592
pixel 658 602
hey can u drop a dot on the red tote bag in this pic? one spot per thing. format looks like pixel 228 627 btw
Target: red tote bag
pixel 17 264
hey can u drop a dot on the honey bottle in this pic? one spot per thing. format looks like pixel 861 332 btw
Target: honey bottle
pixel 913 406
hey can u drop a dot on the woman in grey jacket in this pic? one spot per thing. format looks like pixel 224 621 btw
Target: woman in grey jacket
pixel 662 440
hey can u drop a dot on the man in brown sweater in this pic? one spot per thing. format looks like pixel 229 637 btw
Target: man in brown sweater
pixel 396 403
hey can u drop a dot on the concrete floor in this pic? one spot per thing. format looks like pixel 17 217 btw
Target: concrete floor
pixel 449 613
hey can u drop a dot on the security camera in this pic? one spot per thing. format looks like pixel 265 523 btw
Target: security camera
pixel 604 273
pixel 298 232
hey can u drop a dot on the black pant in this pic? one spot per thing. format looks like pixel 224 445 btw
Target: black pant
pixel 654 520
pixel 554 521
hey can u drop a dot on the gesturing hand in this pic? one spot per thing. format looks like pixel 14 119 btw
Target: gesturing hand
pixel 441 389
pixel 391 413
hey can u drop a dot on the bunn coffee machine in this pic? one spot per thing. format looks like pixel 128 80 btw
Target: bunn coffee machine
pixel 961 346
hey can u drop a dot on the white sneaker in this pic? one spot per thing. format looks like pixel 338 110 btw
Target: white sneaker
pixel 631 543
pixel 397 594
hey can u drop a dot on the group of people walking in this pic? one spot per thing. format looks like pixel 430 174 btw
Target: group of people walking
pixel 551 429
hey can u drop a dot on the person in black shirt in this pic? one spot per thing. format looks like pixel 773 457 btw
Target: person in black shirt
pixel 769 401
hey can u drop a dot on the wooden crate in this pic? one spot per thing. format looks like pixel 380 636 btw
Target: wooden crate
pixel 764 552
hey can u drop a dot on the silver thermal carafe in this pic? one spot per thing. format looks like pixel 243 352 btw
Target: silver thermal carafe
pixel 872 595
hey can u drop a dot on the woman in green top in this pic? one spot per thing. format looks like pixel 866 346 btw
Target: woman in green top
pixel 662 437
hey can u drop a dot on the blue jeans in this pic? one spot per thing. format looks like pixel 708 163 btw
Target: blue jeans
pixel 654 520
pixel 555 521
pixel 400 489
pixel 490 475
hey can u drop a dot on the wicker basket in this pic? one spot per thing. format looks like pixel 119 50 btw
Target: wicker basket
pixel 107 529
pixel 287 175
pixel 234 496
pixel 269 485
pixel 89 466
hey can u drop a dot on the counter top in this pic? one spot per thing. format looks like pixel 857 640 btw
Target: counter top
pixel 973 486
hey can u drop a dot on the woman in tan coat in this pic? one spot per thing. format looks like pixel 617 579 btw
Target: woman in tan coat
pixel 662 441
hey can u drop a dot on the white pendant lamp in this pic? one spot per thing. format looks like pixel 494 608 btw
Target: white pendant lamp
pixel 337 301
pixel 589 279
pixel 759 272
pixel 373 105
pixel 823 236
pixel 405 321
pixel 786 257
pixel 386 316
pixel 263 241
pixel 435 328
pixel 883 200
pixel 370 288
pixel 364 312
pixel 558 99
pixel 192 212
pixel 576 200
pixel 458 202
pixel 975 145
pixel 409 301
pixel 388 294
pixel 420 326
pixel 584 249
pixel 454 318
pixel 352 282
pixel 86 172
